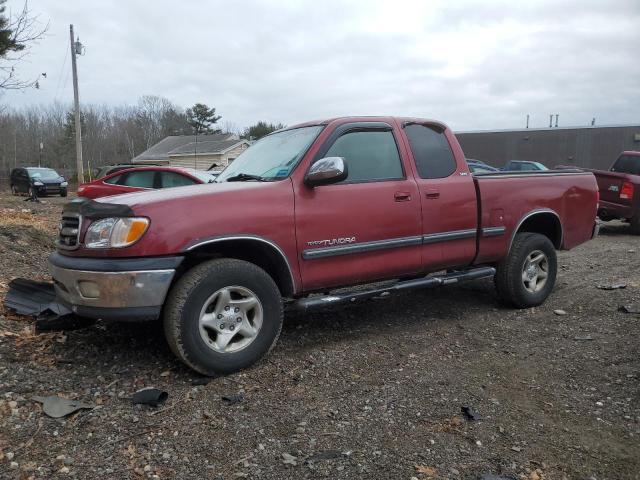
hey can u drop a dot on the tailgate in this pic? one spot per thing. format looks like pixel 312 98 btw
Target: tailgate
pixel 610 185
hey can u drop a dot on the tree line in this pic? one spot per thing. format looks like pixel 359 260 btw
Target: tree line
pixel 45 135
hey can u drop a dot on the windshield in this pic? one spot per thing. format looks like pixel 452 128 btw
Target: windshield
pixel 627 164
pixel 43 173
pixel 274 156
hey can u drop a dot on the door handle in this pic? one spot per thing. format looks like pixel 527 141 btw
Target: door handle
pixel 432 194
pixel 402 196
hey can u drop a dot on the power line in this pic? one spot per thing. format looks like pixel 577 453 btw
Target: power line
pixel 64 62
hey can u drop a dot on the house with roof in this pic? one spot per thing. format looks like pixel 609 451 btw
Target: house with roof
pixel 202 152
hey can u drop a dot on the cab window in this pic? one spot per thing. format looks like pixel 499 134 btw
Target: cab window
pixel 431 150
pixel 370 156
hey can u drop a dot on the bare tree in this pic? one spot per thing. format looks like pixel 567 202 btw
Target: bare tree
pixel 17 34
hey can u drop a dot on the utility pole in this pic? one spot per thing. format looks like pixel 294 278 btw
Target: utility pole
pixel 195 153
pixel 75 46
pixel 527 120
pixel 557 120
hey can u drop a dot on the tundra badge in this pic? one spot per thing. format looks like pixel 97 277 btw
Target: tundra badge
pixel 333 241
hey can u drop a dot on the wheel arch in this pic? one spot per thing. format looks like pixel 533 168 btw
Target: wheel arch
pixel 254 249
pixel 543 221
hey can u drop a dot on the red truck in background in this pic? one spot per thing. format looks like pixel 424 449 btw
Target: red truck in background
pixel 620 190
pixel 304 211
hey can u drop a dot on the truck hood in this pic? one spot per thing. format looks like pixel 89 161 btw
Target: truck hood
pixel 137 201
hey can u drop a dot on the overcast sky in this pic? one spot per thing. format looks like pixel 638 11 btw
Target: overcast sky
pixel 473 64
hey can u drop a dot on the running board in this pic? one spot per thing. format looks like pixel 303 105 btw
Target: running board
pixel 425 282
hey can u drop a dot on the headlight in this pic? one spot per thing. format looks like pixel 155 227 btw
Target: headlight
pixel 64 184
pixel 115 232
pixel 38 184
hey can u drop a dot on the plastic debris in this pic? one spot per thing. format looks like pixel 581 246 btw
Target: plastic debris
pixel 28 297
pixel 200 381
pixel 150 396
pixel 470 413
pixel 615 286
pixel 233 398
pixel 629 309
pixel 57 407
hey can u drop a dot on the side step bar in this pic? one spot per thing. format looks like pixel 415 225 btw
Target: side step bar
pixel 425 282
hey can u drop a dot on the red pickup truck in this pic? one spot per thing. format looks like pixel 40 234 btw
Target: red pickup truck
pixel 620 190
pixel 301 214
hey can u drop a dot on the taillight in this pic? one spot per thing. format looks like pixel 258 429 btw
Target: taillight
pixel 627 191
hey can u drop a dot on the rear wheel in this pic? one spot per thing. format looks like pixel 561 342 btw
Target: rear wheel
pixel 527 276
pixel 635 224
pixel 222 316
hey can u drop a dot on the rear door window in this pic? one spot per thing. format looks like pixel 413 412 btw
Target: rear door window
pixel 370 156
pixel 173 179
pixel 431 151
pixel 141 179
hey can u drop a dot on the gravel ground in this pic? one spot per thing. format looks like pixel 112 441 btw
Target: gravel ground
pixel 372 390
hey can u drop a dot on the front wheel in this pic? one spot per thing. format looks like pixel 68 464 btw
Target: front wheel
pixel 63 193
pixel 527 276
pixel 223 315
pixel 14 190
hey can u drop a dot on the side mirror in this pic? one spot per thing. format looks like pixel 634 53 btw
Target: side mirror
pixel 326 171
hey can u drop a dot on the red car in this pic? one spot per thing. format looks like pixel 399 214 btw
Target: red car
pixel 143 178
pixel 308 210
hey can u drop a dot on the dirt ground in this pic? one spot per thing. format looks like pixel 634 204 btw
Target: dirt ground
pixel 373 390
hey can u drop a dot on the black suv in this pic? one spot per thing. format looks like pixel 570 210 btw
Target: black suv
pixel 36 180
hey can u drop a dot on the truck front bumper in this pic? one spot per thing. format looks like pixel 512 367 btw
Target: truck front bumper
pixel 113 289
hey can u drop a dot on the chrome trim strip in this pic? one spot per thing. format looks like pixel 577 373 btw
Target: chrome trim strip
pixel 313 253
pixel 249 237
pixel 493 231
pixel 448 236
pixel 531 214
pixel 480 176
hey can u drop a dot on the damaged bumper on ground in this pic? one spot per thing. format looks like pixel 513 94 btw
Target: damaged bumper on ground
pixel 113 289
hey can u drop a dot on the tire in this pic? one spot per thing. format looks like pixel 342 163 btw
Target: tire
pixel 515 275
pixel 31 192
pixel 14 190
pixel 196 303
pixel 635 224
pixel 63 193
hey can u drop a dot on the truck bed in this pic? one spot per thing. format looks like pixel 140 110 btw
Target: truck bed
pixel 505 201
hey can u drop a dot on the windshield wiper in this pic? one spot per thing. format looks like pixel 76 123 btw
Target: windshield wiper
pixel 243 177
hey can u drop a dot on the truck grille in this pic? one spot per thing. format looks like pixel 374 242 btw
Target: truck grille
pixel 68 236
